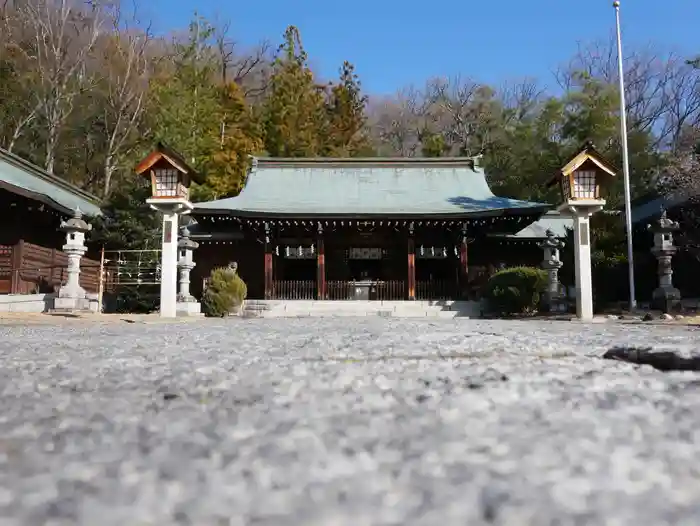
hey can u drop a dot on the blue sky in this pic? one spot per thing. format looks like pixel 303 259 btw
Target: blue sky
pixel 394 43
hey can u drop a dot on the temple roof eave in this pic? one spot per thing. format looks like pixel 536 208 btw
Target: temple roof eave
pixel 534 209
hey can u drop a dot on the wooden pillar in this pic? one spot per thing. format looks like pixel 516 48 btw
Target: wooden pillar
pixel 321 266
pixel 411 265
pixel 463 263
pixel 268 264
pixel 17 259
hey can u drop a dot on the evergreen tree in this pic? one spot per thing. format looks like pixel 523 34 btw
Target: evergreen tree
pixel 347 131
pixel 185 102
pixel 433 145
pixel 294 111
pixel 240 139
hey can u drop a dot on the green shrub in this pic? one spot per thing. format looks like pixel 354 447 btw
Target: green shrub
pixel 225 292
pixel 515 290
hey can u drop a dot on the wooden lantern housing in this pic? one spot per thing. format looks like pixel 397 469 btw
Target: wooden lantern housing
pixel 170 175
pixel 583 176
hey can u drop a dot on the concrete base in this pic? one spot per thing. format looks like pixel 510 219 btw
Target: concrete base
pixel 398 309
pixel 188 308
pixel 86 304
pixel 29 303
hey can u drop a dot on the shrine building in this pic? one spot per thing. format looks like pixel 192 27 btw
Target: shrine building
pixel 367 229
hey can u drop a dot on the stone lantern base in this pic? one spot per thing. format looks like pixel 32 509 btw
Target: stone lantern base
pixel 74 305
pixel 190 307
pixel 666 299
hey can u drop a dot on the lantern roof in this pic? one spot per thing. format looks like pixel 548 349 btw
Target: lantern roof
pixel 588 152
pixel 76 223
pixel 162 152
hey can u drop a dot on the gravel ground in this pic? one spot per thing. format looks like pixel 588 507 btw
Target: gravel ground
pixel 345 422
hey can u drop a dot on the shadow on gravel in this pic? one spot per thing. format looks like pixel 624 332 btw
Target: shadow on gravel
pixel 407 357
pixel 661 360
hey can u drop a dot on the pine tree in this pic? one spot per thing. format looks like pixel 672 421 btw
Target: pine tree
pixel 347 136
pixel 185 102
pixel 240 138
pixel 294 111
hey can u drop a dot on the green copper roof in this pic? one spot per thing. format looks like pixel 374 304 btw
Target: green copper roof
pixel 21 177
pixel 553 221
pixel 367 187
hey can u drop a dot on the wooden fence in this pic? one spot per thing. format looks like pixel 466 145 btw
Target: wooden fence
pixel 294 290
pixel 26 269
pixel 436 290
pixel 336 290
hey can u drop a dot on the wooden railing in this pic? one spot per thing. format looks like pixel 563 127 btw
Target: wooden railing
pixel 391 290
pixel 5 269
pixel 436 290
pixel 26 268
pixel 339 290
pixel 294 290
pixel 336 290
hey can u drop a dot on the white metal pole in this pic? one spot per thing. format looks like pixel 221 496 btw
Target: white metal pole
pixel 625 159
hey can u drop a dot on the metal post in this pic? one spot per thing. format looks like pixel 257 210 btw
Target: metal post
pixel 625 159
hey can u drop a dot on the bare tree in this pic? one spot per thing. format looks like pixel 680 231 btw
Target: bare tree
pixel 126 74
pixel 246 67
pixel 681 104
pixel 398 123
pixel 63 35
pixel 18 110
pixel 468 113
pixel 521 99
pixel 661 89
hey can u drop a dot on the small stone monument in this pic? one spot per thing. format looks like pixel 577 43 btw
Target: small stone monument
pixel 71 296
pixel 552 263
pixel 187 305
pixel 666 297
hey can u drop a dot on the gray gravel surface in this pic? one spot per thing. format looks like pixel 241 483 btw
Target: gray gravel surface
pixel 345 421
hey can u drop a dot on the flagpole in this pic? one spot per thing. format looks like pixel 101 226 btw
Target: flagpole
pixel 625 159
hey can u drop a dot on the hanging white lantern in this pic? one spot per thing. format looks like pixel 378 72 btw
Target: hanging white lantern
pixel 286 251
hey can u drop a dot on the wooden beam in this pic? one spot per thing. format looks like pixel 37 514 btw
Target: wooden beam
pixel 411 264
pixel 463 263
pixel 17 259
pixel 321 266
pixel 268 264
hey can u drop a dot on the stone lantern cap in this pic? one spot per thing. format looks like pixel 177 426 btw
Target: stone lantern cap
pixel 663 224
pixel 185 241
pixel 551 241
pixel 75 223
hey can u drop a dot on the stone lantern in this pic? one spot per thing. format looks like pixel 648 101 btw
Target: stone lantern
pixel 187 305
pixel 552 263
pixel 665 297
pixel 170 178
pixel 71 296
pixel 580 181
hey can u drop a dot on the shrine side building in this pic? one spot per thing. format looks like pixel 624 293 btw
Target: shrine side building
pixel 367 229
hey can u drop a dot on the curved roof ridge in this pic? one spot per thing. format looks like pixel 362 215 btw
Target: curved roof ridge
pixel 366 188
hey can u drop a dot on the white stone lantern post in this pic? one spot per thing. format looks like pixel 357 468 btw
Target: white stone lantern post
pixel 552 263
pixel 665 297
pixel 187 305
pixel 170 178
pixel 71 296
pixel 580 182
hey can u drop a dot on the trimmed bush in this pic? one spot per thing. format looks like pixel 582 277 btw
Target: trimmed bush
pixel 224 293
pixel 515 290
